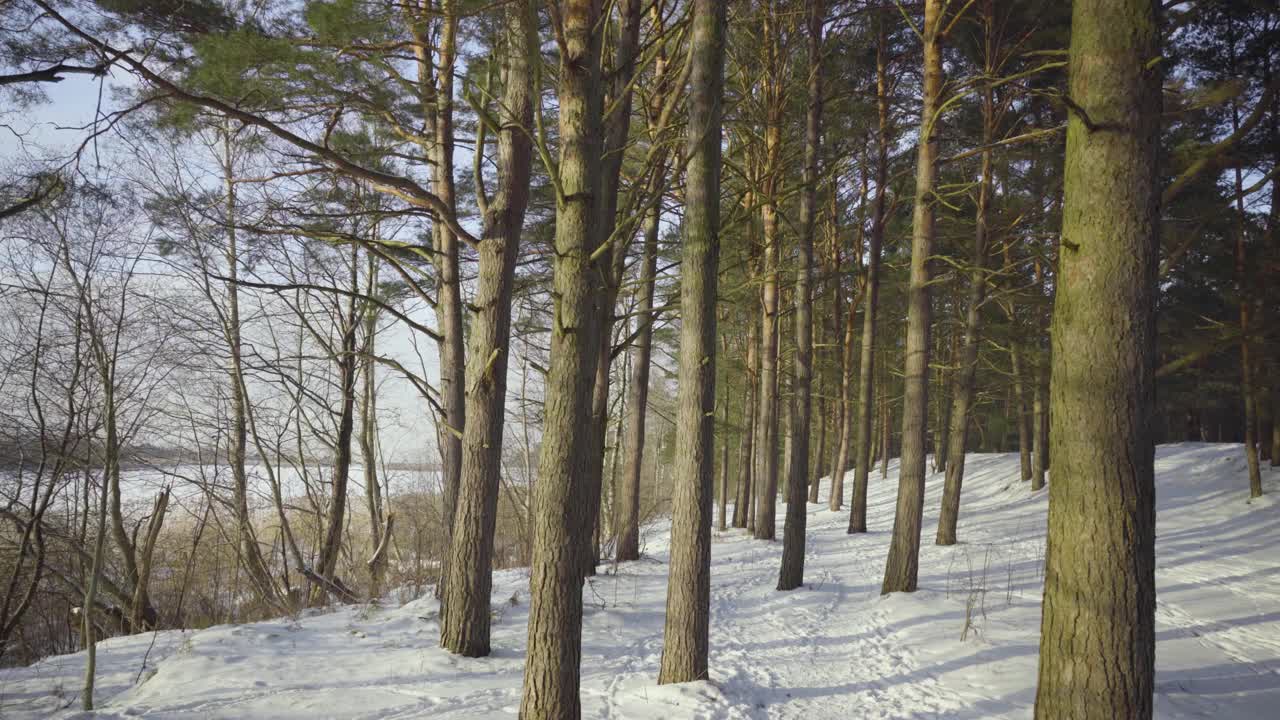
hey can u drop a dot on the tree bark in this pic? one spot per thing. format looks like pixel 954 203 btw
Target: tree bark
pixel 552 666
pixel 436 57
pixel 1024 419
pixel 685 636
pixel 836 498
pixel 904 549
pixel 1097 648
pixel 962 384
pixel 1244 293
pixel 722 498
pixel 1039 426
pixel 138 620
pixel 250 554
pixel 369 438
pixel 627 545
pixel 347 363
pixel 464 623
pixel 866 372
pixel 742 512
pixel 615 131
pixel 791 573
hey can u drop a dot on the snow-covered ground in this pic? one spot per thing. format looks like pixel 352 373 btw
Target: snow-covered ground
pixel 963 646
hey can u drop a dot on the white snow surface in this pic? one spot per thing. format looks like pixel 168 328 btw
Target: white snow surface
pixel 834 648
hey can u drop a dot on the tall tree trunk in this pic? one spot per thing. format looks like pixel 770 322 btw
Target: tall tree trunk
pixel 436 54
pixel 904 549
pixel 945 397
pixel 722 498
pixel 88 630
pixel 742 514
pixel 627 544
pixel 866 371
pixel 250 554
pixel 836 498
pixel 791 573
pixel 962 384
pixel 1039 425
pixel 886 440
pixel 378 559
pixel 1273 237
pixel 347 364
pixel 616 130
pixel 685 635
pixel 766 445
pixel 552 668
pixel 1024 415
pixel 1244 293
pixel 1097 646
pixel 464 624
pixel 832 330
pixel 774 98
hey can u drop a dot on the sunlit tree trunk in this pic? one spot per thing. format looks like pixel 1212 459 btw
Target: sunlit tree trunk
pixel 1097 644
pixel 464 626
pixel 770 410
pixel 250 554
pixel 904 549
pixel 742 514
pixel 627 545
pixel 615 132
pixel 962 384
pixel 346 364
pixel 866 376
pixel 435 51
pixel 791 573
pixel 685 635
pixel 552 665
pixel 1024 413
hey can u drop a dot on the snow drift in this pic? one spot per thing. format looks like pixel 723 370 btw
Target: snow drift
pixel 963 646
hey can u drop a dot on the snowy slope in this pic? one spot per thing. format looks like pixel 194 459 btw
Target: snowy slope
pixel 835 648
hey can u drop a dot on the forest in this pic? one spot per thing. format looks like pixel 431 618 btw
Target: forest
pixel 575 342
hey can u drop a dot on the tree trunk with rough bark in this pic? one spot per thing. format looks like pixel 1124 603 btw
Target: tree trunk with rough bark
pixel 1039 426
pixel 688 619
pixel 464 623
pixel 435 51
pixel 962 385
pixel 774 93
pixel 250 554
pixel 791 573
pixel 346 364
pixel 1097 646
pixel 627 544
pixel 904 549
pixel 1024 414
pixel 615 132
pixel 742 514
pixel 377 562
pixel 866 371
pixel 552 667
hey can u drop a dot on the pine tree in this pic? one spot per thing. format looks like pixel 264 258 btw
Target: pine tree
pixel 1097 647
pixel 687 628
pixel 552 668
pixel 464 626
pixel 904 549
